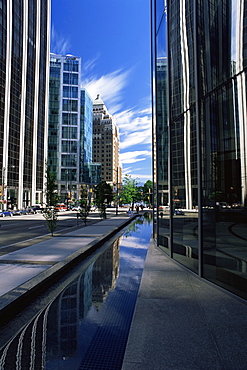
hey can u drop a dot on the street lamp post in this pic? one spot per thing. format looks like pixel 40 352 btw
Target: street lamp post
pixel 117 194
pixel 3 186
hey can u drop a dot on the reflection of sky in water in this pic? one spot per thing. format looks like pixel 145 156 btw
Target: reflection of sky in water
pixel 133 250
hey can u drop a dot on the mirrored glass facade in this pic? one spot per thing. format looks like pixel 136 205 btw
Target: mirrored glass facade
pixel 199 62
pixel 24 71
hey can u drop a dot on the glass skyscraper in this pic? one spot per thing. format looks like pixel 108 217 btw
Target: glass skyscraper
pixel 200 133
pixel 24 74
pixel 70 128
pixel 64 124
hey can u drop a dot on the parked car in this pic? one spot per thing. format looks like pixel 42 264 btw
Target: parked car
pixel 34 209
pixel 61 207
pixel 178 212
pixel 37 209
pixel 19 212
pixel 6 213
pixel 76 208
pixel 30 210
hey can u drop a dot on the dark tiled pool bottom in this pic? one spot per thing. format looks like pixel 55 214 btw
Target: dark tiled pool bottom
pixel 107 348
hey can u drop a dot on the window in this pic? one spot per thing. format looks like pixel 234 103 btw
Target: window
pixel 70 92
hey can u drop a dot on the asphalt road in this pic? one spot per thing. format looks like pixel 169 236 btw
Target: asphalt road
pixel 17 229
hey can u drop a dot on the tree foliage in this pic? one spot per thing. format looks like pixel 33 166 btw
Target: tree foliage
pixel 50 212
pixel 148 192
pixel 51 189
pixel 130 191
pixel 103 196
pixel 85 205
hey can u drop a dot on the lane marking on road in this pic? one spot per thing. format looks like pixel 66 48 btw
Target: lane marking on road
pixel 35 227
pixel 27 240
pixel 14 223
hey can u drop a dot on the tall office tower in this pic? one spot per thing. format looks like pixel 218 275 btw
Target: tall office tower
pixel 106 143
pixel 24 74
pixel 65 144
pixel 206 44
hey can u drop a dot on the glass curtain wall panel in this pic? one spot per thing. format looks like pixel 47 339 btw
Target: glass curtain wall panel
pixel 201 137
pixel 183 133
pixel 161 138
pixel 223 118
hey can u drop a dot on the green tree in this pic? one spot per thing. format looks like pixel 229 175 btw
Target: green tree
pixel 50 212
pixel 148 192
pixel 85 205
pixel 130 190
pixel 103 196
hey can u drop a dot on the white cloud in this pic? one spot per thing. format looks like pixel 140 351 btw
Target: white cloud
pixel 90 64
pixel 110 87
pixel 135 127
pixel 135 156
pixel 142 176
pixel 59 44
pixel 132 242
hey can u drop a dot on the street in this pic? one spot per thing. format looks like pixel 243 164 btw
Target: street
pixel 17 229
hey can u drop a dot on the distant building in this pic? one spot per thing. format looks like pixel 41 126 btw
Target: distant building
pixel 24 73
pixel 90 173
pixel 106 143
pixel 200 122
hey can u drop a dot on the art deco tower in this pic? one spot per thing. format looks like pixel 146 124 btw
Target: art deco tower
pixel 106 143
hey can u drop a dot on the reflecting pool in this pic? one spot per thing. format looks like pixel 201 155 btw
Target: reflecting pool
pixel 83 321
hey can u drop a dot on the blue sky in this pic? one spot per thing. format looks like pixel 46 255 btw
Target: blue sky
pixel 113 39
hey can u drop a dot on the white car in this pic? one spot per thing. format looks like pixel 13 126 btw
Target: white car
pixel 76 208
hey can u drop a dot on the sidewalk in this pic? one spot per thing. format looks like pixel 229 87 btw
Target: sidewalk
pixel 182 322
pixel 25 270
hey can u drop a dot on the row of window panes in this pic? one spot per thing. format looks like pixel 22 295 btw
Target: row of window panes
pixel 69 132
pixel 70 79
pixel 69 160
pixel 71 65
pixel 70 92
pixel 69 119
pixel 70 105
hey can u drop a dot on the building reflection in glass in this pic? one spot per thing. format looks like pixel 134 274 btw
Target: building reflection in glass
pixel 205 45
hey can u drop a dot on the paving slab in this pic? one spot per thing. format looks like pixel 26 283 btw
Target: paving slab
pixel 13 275
pixel 54 249
pixel 183 322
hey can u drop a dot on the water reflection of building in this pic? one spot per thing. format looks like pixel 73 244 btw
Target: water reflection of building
pixel 105 273
pixel 53 335
pixel 65 314
pixel 205 43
